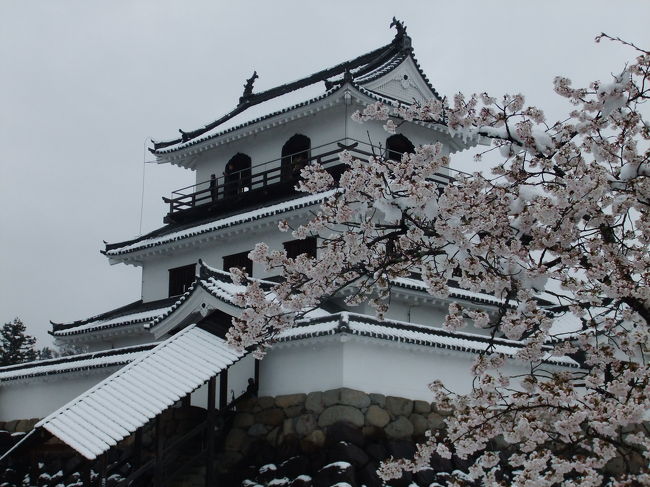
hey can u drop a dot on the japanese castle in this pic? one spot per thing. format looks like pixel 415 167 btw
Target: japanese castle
pixel 166 349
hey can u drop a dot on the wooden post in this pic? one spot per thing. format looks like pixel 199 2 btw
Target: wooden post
pixel 257 374
pixel 186 402
pixel 210 424
pixel 137 448
pixel 102 464
pixel 223 389
pixel 158 471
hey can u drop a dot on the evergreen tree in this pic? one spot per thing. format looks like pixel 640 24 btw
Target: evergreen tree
pixel 15 345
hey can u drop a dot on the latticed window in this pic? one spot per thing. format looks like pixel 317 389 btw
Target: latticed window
pixel 240 261
pixel 181 278
pixel 396 145
pixel 296 247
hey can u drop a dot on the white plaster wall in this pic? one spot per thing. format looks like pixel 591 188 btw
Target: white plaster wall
pixel 321 127
pixel 369 365
pixel 38 398
pixel 155 272
pixel 315 365
pixel 111 342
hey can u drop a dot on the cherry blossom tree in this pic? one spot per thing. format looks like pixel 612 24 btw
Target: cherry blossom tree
pixel 565 210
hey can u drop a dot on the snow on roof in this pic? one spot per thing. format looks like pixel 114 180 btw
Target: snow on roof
pixel 367 326
pixel 142 319
pixel 219 224
pixel 123 402
pixel 454 292
pixel 267 109
pixel 376 60
pixel 137 314
pixel 73 363
pixel 219 284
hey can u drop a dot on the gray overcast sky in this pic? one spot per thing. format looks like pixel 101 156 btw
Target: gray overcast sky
pixel 84 83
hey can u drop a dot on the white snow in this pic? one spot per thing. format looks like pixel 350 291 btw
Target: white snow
pixel 100 417
pixel 223 223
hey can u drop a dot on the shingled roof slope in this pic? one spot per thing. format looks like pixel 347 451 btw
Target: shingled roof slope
pixel 358 71
pixel 73 363
pixel 132 313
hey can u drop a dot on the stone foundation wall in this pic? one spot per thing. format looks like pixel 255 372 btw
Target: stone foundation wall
pixel 306 418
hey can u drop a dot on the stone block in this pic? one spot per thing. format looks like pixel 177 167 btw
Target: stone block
pixel 314 402
pixel 305 424
pixel 400 428
pixel 274 436
pixel 26 425
pixel 421 407
pixel 435 421
pixel 378 399
pixel 376 416
pixel 258 430
pixel 420 424
pixel 235 439
pixel 288 427
pixel 248 404
pixel 331 397
pixel 344 432
pixel 294 411
pixel 334 414
pixel 351 397
pixel 399 406
pixel 266 402
pixel 290 400
pixel 244 420
pixel 270 417
pixel 313 441
pixel 373 432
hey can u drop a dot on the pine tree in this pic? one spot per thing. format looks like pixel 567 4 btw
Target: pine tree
pixel 15 345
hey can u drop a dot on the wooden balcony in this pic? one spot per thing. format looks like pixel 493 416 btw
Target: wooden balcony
pixel 263 183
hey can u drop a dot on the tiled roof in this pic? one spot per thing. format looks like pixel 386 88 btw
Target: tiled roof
pixel 73 363
pixel 368 326
pixel 149 241
pixel 137 313
pixel 219 284
pixel 113 409
pixel 358 71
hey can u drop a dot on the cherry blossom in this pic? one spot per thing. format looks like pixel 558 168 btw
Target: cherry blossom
pixel 559 227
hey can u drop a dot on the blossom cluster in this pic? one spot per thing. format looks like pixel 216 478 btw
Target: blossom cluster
pixel 559 227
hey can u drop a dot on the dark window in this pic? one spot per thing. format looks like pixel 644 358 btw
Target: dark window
pixel 181 278
pixel 396 145
pixel 240 260
pixel 295 155
pixel 237 175
pixel 296 247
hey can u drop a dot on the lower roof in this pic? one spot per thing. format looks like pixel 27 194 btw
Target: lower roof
pixel 73 363
pixel 126 400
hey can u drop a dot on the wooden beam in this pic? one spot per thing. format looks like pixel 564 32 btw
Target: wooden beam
pixel 211 424
pixel 223 389
pixel 158 469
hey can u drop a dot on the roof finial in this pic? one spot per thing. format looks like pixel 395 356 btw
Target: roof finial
pixel 401 35
pixel 248 87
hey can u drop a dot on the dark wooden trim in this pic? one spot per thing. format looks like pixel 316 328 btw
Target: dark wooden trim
pixel 211 424
pixel 223 389
pixel 160 453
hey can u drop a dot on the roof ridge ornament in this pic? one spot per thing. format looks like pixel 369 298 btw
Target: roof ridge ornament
pixel 401 37
pixel 248 88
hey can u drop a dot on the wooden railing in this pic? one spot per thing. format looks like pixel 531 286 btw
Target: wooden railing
pixel 261 178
